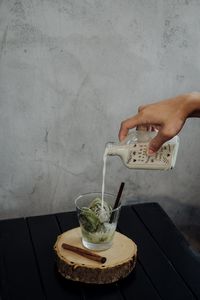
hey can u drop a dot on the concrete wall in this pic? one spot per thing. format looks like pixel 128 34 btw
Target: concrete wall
pixel 70 72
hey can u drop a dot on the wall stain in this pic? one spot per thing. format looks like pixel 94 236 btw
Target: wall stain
pixel 4 41
pixel 180 77
pixel 83 83
pixel 33 190
pixel 18 10
pixel 46 139
pixel 46 136
pixel 174 33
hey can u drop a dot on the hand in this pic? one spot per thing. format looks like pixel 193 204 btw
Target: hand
pixel 168 116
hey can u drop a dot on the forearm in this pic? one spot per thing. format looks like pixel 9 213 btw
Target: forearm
pixel 192 104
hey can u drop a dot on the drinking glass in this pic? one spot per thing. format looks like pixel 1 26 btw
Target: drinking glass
pixel 98 223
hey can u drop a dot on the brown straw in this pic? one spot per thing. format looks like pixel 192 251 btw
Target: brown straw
pixel 117 201
pixel 84 253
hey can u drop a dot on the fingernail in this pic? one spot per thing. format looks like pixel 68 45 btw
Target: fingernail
pixel 151 152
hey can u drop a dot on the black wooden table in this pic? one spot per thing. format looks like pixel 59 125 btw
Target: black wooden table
pixel 167 268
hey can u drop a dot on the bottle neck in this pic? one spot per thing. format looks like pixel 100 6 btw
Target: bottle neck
pixel 114 149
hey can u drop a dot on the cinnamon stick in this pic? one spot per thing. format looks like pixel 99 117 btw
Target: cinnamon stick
pixel 84 253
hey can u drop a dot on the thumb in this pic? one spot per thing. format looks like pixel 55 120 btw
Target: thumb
pixel 157 142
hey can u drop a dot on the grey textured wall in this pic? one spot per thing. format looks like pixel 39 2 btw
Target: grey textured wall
pixel 70 71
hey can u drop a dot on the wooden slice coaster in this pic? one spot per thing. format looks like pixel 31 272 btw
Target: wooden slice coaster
pixel 120 259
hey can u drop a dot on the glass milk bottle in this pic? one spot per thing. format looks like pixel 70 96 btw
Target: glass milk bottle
pixel 133 151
